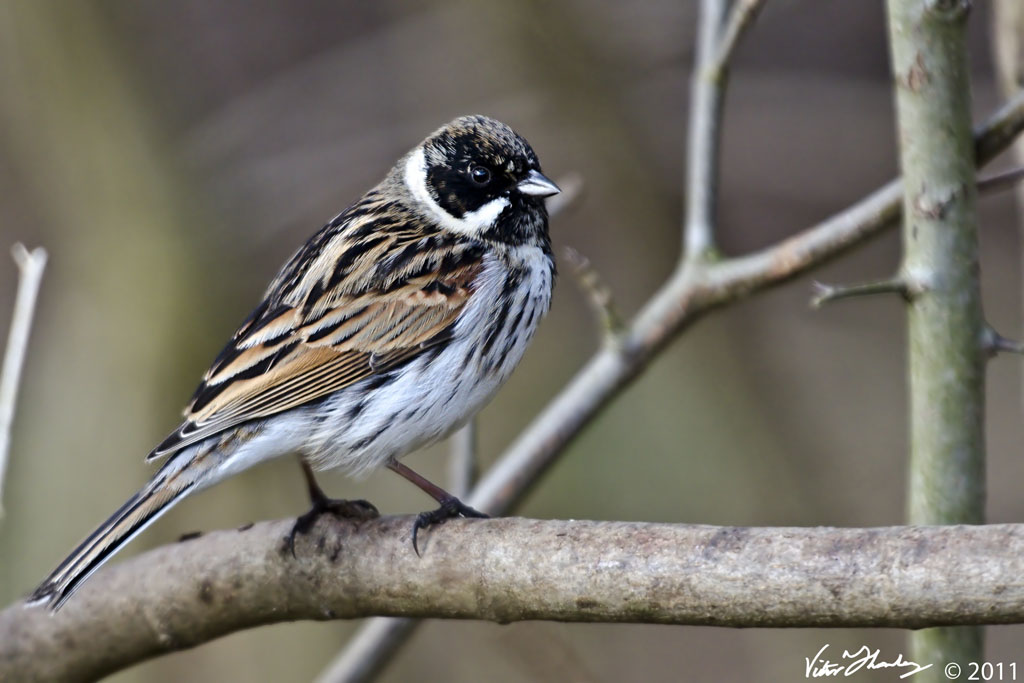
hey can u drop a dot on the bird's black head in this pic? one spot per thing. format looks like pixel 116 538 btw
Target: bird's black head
pixel 478 177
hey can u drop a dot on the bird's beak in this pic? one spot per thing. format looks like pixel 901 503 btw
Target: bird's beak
pixel 536 184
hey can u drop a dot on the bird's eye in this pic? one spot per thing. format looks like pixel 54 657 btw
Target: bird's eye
pixel 481 175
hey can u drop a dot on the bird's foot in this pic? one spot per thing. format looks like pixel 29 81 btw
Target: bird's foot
pixel 361 510
pixel 450 507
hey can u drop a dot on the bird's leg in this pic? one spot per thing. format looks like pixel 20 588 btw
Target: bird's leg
pixel 450 505
pixel 320 503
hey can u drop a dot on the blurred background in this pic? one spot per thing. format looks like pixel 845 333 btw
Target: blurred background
pixel 170 156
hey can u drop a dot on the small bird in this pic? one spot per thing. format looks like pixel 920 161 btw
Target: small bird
pixel 390 328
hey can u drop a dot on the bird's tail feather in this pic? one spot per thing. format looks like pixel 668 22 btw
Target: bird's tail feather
pixel 136 514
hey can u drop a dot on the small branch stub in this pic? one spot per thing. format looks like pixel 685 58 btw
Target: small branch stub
pixel 1001 181
pixel 993 343
pixel 948 10
pixel 824 293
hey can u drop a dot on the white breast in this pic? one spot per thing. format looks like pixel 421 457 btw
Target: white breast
pixel 360 428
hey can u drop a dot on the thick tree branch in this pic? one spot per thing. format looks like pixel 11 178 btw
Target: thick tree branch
pixel 928 41
pixel 504 570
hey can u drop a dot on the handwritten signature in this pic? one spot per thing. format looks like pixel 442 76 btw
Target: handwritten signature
pixel 852 662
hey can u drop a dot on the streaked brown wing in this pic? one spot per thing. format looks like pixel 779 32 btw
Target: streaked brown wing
pixel 332 320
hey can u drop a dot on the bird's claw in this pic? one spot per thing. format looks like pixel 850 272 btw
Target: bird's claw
pixel 450 507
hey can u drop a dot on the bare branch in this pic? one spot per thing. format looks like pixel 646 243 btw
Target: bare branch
pixel 707 92
pixel 370 650
pixel 513 569
pixel 824 293
pixel 999 131
pixel 1001 181
pixel 740 18
pixel 31 265
pixel 462 463
pixel 722 24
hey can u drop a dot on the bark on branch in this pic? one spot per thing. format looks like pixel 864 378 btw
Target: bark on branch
pixel 504 570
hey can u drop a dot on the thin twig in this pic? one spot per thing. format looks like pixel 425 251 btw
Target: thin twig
pixel 824 293
pixel 462 462
pixel 1001 181
pixel 31 265
pixel 598 294
pixel 707 92
pixel 993 343
pixel 721 26
pixel 741 16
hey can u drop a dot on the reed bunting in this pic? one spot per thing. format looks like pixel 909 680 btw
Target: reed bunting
pixel 391 327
